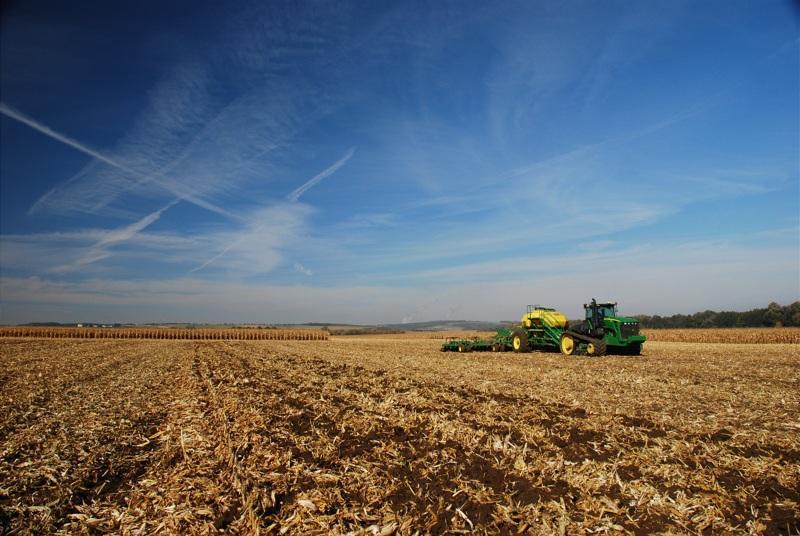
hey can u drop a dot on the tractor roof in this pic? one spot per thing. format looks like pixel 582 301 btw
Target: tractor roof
pixel 601 304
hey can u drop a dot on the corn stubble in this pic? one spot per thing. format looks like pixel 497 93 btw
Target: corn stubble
pixel 369 435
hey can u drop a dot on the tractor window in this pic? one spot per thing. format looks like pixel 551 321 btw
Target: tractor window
pixel 608 310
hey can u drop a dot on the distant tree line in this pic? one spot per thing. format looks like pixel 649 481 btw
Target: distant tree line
pixel 774 315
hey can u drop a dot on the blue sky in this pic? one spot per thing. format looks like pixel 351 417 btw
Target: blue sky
pixel 328 161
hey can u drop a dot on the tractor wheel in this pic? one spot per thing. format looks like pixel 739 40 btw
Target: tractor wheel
pixel 567 344
pixel 463 348
pixel 635 348
pixel 519 340
pixel 596 350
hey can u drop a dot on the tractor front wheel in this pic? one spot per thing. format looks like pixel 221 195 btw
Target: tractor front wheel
pixel 519 341
pixel 567 344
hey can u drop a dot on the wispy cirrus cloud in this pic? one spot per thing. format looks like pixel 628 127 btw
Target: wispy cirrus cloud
pixel 302 269
pixel 277 220
pixel 730 276
pixel 256 248
pixel 259 246
pixel 218 121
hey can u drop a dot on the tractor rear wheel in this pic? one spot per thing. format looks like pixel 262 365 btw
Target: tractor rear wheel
pixel 567 344
pixel 463 348
pixel 519 340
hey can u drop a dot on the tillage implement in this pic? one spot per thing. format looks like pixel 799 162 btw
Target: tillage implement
pixel 601 332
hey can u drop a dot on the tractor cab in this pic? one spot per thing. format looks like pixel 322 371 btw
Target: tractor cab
pixel 597 312
pixel 596 315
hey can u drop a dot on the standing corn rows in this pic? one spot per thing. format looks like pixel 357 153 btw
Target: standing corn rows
pixel 167 333
pixel 726 335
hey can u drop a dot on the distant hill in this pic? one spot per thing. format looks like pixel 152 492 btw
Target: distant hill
pixel 448 325
pixel 433 325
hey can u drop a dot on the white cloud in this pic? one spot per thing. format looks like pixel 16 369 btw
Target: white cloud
pixel 258 247
pixel 232 250
pixel 302 269
pixel 645 280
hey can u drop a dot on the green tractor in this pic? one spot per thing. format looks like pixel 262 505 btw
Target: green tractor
pixel 543 328
pixel 603 331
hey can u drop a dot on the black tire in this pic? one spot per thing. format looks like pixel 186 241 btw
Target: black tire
pixel 635 348
pixel 463 348
pixel 600 349
pixel 519 341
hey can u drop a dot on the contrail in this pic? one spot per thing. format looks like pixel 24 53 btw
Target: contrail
pixel 25 120
pixel 47 131
pixel 129 231
pixel 295 195
pixel 215 257
pixel 98 252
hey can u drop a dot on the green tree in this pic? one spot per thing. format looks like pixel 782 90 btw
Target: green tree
pixel 773 316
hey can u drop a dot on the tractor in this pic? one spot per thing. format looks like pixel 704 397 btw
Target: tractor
pixel 603 331
pixel 543 328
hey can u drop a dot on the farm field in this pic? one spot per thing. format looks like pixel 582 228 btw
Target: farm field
pixel 387 435
pixel 726 335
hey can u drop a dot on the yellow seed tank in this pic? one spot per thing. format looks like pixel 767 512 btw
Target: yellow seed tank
pixel 544 316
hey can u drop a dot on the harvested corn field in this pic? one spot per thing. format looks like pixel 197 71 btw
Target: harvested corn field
pixel 249 334
pixel 388 435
